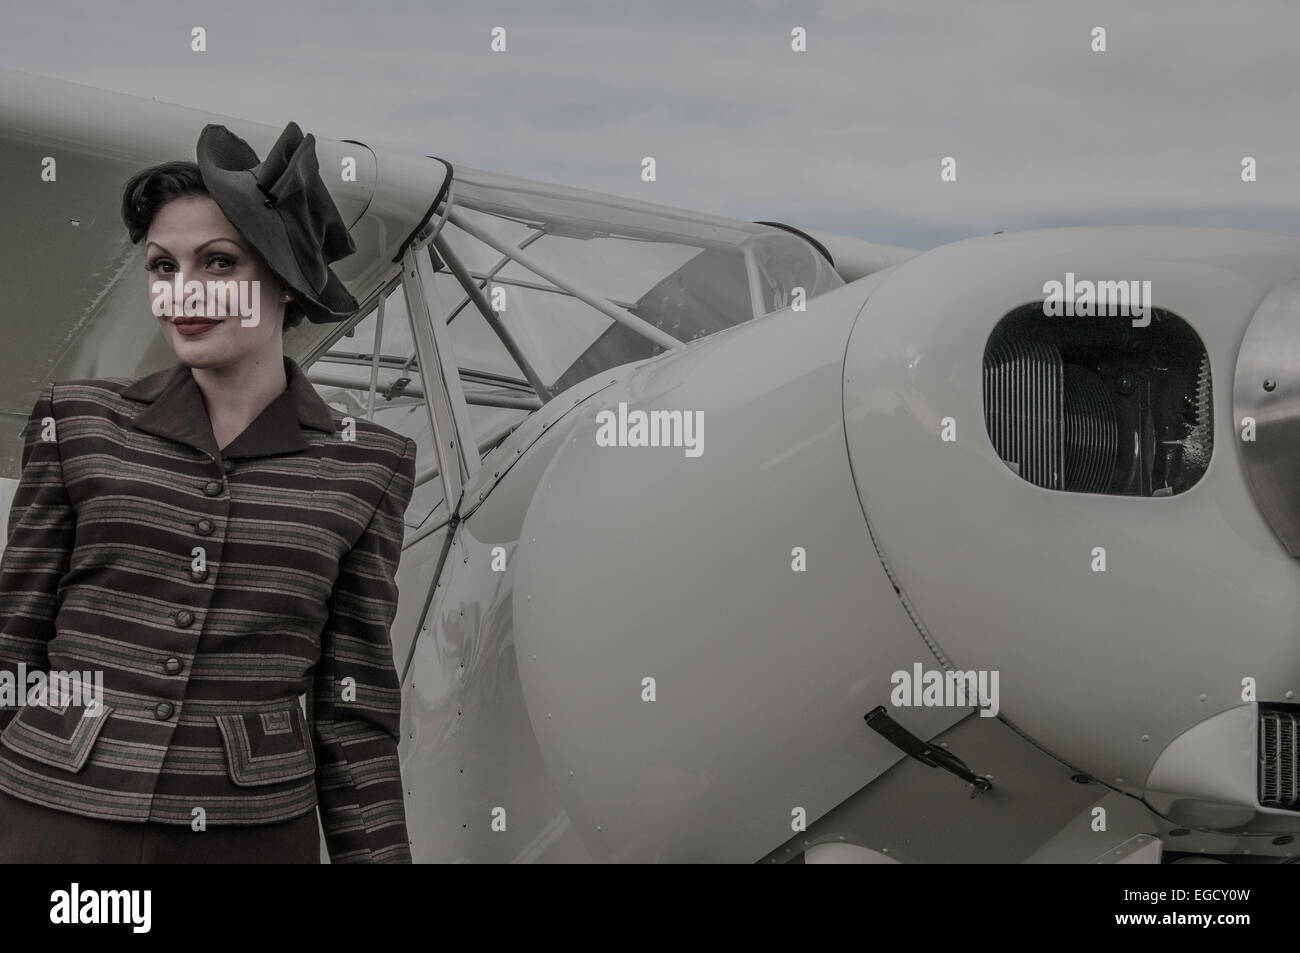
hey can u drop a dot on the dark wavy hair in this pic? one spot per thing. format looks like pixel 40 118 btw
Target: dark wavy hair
pixel 150 189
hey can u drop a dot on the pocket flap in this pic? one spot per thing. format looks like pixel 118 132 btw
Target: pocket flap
pixel 266 747
pixel 59 736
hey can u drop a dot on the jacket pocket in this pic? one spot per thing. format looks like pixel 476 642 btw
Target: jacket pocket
pixel 58 736
pixel 266 747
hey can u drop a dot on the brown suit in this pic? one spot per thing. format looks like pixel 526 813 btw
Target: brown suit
pixel 211 589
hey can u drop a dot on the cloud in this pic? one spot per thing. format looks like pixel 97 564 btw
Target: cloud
pixel 846 137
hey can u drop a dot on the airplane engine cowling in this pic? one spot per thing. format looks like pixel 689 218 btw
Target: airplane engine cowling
pixel 1095 543
pixel 738 589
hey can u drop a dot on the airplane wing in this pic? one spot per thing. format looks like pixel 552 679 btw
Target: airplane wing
pixel 66 150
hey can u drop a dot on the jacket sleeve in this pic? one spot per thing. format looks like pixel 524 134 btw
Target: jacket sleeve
pixel 356 696
pixel 41 534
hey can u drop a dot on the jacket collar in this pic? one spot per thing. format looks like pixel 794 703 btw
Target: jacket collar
pixel 178 411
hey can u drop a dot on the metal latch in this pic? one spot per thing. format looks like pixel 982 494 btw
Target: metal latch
pixel 879 720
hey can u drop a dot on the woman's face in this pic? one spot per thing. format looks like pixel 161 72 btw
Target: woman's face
pixel 190 237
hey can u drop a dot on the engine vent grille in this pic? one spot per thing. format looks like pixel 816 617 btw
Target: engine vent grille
pixel 1096 405
pixel 1279 730
pixel 1091 432
pixel 1024 400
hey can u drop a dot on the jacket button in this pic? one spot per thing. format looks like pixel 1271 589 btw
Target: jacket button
pixel 163 711
pixel 172 666
pixel 184 618
pixel 212 488
pixel 228 465
pixel 204 527
pixel 198 575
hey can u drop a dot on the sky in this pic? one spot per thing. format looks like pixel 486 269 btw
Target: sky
pixel 847 136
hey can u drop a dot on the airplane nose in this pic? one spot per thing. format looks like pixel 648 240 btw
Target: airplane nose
pixel 1063 499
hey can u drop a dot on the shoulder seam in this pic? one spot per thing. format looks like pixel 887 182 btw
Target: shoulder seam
pixel 58 437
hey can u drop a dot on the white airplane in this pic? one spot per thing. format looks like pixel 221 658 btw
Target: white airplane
pixel 745 542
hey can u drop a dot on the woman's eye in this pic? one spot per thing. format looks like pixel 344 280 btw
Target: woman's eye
pixel 166 266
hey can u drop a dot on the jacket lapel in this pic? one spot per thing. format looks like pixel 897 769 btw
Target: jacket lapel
pixel 177 411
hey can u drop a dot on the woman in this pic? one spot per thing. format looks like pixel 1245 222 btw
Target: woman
pixel 198 548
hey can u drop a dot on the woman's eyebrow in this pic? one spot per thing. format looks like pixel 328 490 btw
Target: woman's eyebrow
pixel 203 246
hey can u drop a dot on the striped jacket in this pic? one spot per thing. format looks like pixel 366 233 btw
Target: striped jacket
pixel 211 588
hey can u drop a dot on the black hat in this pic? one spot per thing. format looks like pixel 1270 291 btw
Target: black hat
pixel 281 206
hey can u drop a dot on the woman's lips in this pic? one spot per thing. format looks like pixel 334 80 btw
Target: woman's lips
pixel 194 326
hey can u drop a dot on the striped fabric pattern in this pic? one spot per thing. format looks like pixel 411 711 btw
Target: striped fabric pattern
pixel 211 588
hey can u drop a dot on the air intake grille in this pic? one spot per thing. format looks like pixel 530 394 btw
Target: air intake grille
pixel 1278 732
